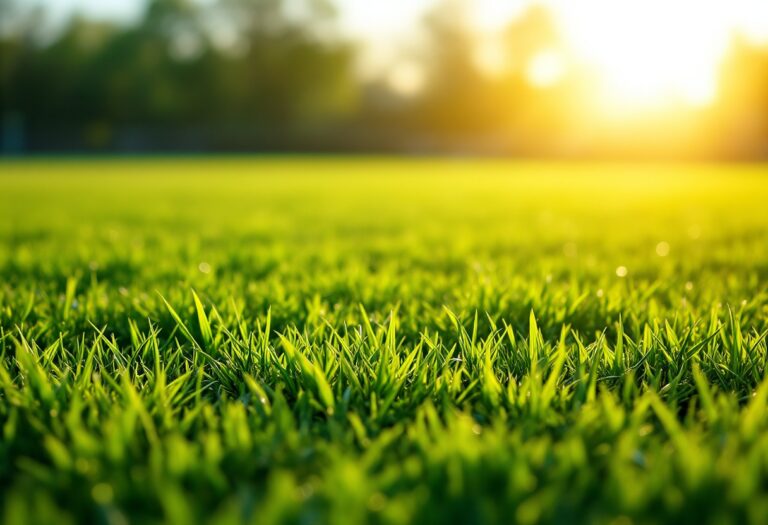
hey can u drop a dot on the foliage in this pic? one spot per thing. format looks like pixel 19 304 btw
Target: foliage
pixel 241 68
pixel 271 75
pixel 350 341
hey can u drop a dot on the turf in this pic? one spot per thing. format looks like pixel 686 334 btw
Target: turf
pixel 340 340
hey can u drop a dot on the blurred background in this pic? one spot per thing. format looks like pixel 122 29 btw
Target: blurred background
pixel 656 79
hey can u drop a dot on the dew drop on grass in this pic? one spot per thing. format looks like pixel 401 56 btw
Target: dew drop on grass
pixel 644 430
pixel 102 493
pixel 82 465
pixel 377 501
pixel 662 249
pixel 694 232
pixel 306 491
pixel 204 267
pixel 621 271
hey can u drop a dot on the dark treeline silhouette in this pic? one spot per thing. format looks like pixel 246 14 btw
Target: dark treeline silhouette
pixel 265 75
pixel 185 77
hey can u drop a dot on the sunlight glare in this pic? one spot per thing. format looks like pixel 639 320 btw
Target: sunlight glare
pixel 751 18
pixel 493 15
pixel 649 52
pixel 545 69
pixel 407 78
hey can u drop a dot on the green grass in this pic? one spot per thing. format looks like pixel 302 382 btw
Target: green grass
pixel 382 341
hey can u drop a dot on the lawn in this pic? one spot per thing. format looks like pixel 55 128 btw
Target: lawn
pixel 347 340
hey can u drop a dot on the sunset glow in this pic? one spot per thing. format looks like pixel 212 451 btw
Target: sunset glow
pixel 650 52
pixel 640 53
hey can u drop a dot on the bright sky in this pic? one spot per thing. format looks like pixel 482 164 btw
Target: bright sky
pixel 119 10
pixel 644 51
pixel 650 50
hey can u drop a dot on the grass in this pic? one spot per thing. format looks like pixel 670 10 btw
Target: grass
pixel 382 341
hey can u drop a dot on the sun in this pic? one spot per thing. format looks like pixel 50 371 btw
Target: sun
pixel 652 51
pixel 640 54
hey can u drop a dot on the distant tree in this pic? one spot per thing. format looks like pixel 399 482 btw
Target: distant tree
pixel 741 115
pixel 454 99
pixel 504 108
pixel 241 64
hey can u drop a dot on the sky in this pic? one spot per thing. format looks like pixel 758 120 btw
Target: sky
pixel 375 24
pixel 113 10
pixel 358 16
pixel 385 22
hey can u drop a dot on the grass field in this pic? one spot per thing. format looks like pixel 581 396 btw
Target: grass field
pixel 382 341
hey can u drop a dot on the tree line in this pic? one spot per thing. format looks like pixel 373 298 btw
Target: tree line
pixel 256 75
